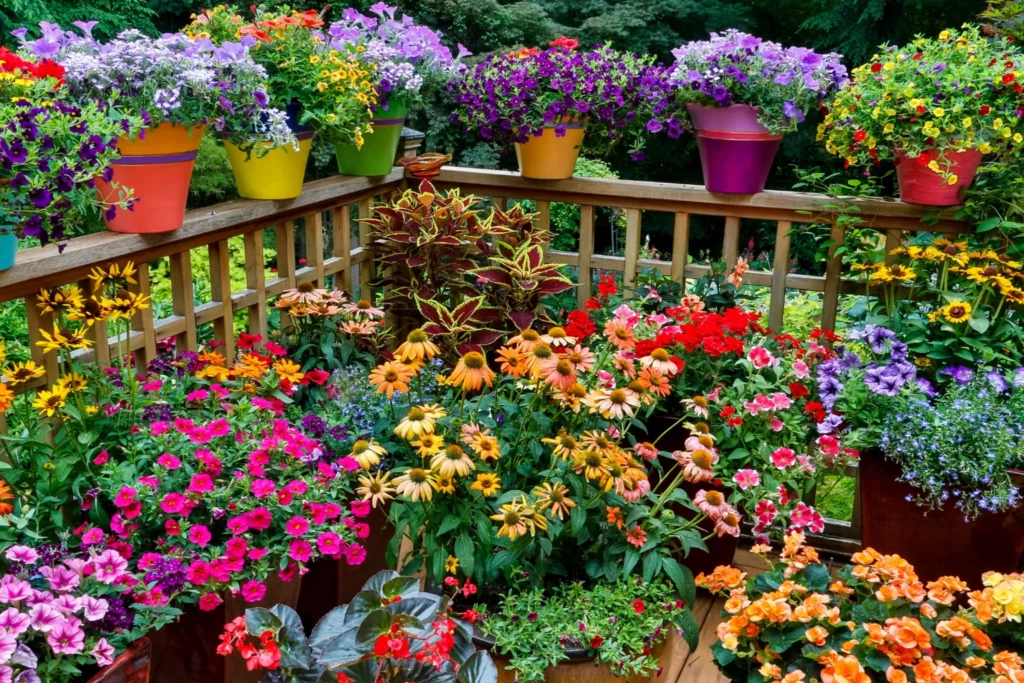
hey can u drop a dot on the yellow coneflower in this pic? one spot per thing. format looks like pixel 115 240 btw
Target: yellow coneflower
pixel 486 448
pixel 565 445
pixel 416 484
pixel 553 498
pixel 60 299
pixel 49 402
pixel 416 423
pixel 517 519
pixel 417 347
pixel 376 488
pixel 452 461
pixel 289 370
pixel 597 440
pixel 486 483
pixel 367 453
pixel 19 373
pixel 63 338
pixel 591 463
pixel 471 372
pixel 428 445
pixel 391 376
pixel 957 311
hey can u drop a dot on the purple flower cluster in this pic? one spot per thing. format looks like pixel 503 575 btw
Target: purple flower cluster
pixel 738 68
pixel 405 54
pixel 509 98
pixel 887 377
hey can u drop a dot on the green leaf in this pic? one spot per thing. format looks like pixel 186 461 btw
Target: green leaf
pixel 295 650
pixel 259 621
pixel 682 577
pixel 478 668
pixel 781 639
pixel 691 629
pixel 632 557
pixel 979 325
pixel 464 550
pixel 652 564
pixel 450 522
pixel 375 625
pixel 989 224
pixel 365 602
pixel 817 578
pixel 377 581
pixel 403 586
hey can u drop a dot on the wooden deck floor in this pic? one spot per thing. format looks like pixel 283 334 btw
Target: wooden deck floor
pixel 697 666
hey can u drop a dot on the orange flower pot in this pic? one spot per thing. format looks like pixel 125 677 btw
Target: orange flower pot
pixel 548 156
pixel 158 167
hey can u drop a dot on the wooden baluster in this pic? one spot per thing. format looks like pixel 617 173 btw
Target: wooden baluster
pixel 893 239
pixel 633 218
pixel 37 320
pixel 585 277
pixel 98 332
pixel 341 225
pixel 543 221
pixel 780 269
pixel 183 299
pixel 680 248
pixel 220 290
pixel 367 269
pixel 256 280
pixel 833 273
pixel 143 321
pixel 315 246
pixel 731 242
pixel 285 239
pixel 500 203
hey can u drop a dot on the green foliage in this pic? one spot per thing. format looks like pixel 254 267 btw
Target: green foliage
pixel 213 181
pixel 113 15
pixel 14 331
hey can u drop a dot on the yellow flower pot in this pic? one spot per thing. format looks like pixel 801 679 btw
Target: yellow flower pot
pixel 550 157
pixel 276 175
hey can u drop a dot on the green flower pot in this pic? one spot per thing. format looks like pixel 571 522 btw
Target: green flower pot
pixel 377 155
pixel 8 248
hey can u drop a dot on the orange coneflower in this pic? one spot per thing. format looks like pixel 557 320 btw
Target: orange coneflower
pixel 557 338
pixel 6 398
pixel 636 537
pixel 558 372
pixel 471 372
pixel 513 362
pixel 653 381
pixel 615 516
pixel 537 356
pixel 554 499
pixel 661 360
pixel 620 334
pixel 391 376
pixel 416 347
pixel 6 498
pixel 526 340
pixel 581 358
pixel 624 362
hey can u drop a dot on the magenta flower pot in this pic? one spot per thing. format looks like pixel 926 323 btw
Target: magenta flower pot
pixel 736 152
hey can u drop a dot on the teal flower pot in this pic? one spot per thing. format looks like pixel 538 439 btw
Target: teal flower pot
pixel 8 248
pixel 377 155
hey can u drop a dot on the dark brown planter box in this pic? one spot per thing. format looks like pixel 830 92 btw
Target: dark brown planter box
pixel 131 666
pixel 937 542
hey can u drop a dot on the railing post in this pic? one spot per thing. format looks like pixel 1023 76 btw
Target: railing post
pixel 98 332
pixel 780 269
pixel 285 239
pixel 367 269
pixel 256 280
pixel 830 303
pixel 315 246
pixel 341 225
pixel 633 218
pixel 220 290
pixel 182 298
pixel 544 221
pixel 585 276
pixel 731 241
pixel 37 320
pixel 143 321
pixel 680 248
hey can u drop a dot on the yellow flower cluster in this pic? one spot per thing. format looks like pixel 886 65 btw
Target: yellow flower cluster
pixel 1002 598
pixel 343 78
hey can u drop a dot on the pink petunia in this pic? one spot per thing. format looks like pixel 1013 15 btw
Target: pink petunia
pixel 261 488
pixel 300 550
pixel 360 508
pixel 258 519
pixel 296 526
pixel 253 591
pixel 44 618
pixel 102 652
pixel 761 357
pixel 172 503
pixel 92 536
pixel 22 554
pixel 197 395
pixel 800 369
pixel 828 444
pixel 210 602
pixel 355 554
pixel 328 543
pixel 236 547
pixel 256 554
pixel 238 525
pixel 67 638
pixel 159 428
pixel 14 622
pixel 150 482
pixel 199 535
pixel 101 458
pixel 125 497
pixel 109 566
pixel 62 579
pixel 169 461
pixel 198 572
pixel 746 478
pixel 362 530
pixel 8 645
pixel 94 609
pixel 783 458
pixel 201 483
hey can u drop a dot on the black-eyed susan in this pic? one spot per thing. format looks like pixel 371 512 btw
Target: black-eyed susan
pixel 415 484
pixel 367 453
pixel 415 424
pixel 113 276
pixel 452 461
pixel 125 304
pixel 1013 295
pixel 486 483
pixel 73 382
pixel 376 488
pixel 553 499
pixel 417 347
pixel 428 444
pixel 63 338
pixel 471 372
pixel 19 373
pixel 49 402
pixel 90 312
pixel 444 483
pixel 564 445
pixel 60 300
pixel 957 312
pixel 451 565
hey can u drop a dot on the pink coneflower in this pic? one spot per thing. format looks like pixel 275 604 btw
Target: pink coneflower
pixel 746 478
pixel 728 524
pixel 711 503
pixel 581 358
pixel 699 406
pixel 614 404
pixel 620 334
pixel 557 338
pixel 67 638
pixel 558 372
pixel 624 362
pixel 697 464
pixel 646 450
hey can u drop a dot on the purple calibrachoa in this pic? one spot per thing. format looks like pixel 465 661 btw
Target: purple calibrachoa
pixel 509 98
pixel 738 68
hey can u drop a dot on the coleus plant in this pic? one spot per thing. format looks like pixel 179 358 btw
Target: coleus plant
pixel 391 632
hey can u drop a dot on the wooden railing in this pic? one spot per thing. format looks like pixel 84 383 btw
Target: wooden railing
pixel 326 208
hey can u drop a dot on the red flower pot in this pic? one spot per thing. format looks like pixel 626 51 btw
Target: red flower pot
pixel 159 168
pixel 131 666
pixel 921 185
pixel 937 542
pixel 736 152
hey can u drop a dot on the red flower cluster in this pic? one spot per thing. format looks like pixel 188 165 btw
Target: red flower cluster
pixel 716 334
pixel 11 63
pixel 578 324
pixel 563 41
pixel 266 657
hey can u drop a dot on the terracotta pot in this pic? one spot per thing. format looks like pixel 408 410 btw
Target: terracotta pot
pixel 720 550
pixel 186 649
pixel 131 666
pixel 736 152
pixel 548 156
pixel 159 168
pixel 330 583
pixel 425 166
pixel 936 542
pixel 921 185
pixel 582 668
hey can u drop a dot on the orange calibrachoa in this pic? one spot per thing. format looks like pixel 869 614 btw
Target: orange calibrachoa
pixel 877 621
